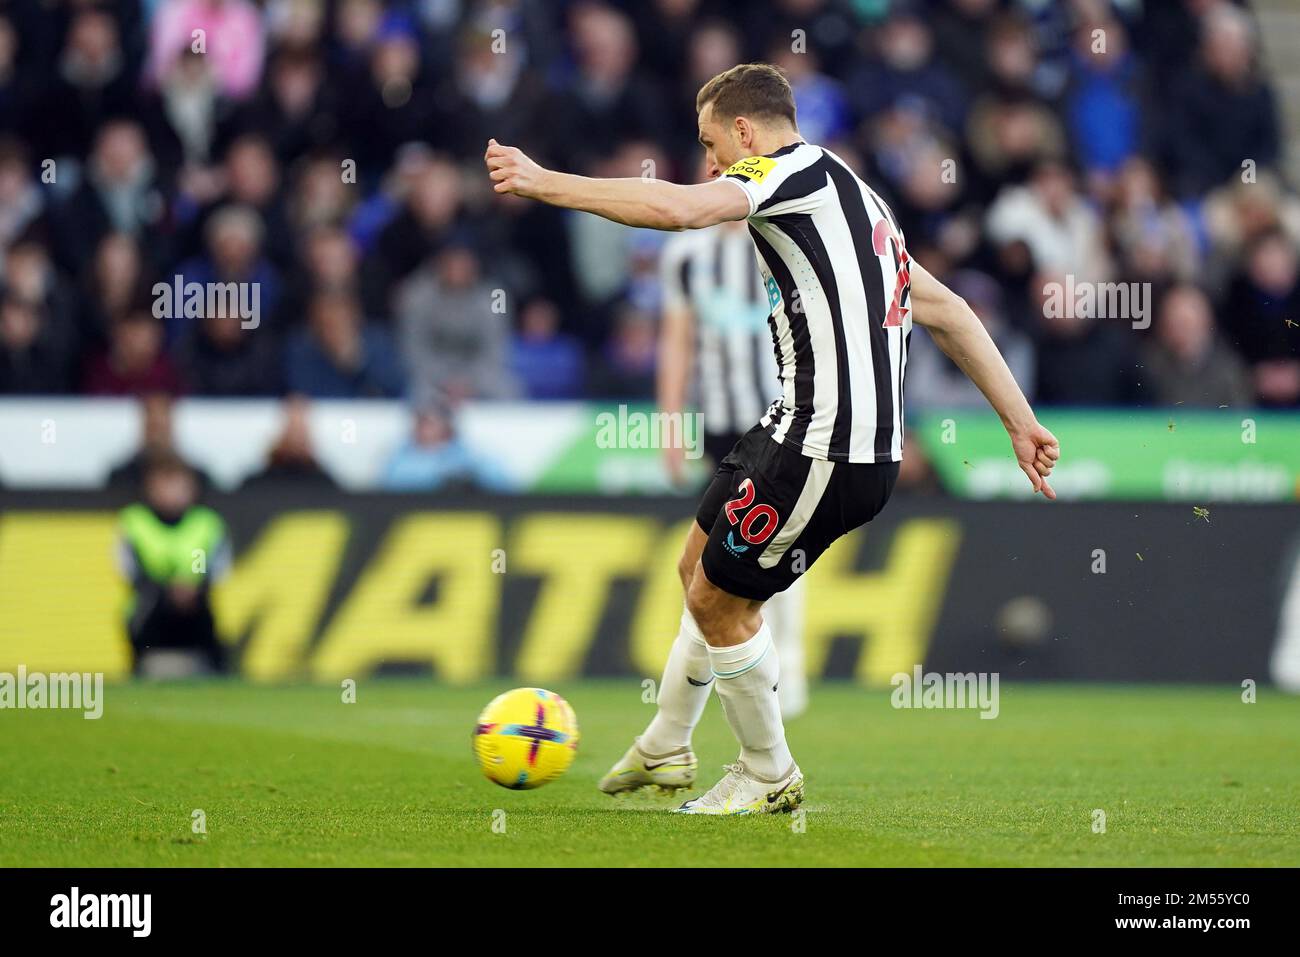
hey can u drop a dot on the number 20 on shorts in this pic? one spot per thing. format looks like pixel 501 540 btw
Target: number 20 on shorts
pixel 765 514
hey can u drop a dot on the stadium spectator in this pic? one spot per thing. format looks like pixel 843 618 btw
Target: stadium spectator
pixel 713 46
pixel 120 192
pixel 222 356
pixel 116 281
pixel 170 551
pixel 608 101
pixel 603 251
pixel 340 355
pixel 1262 320
pixel 489 92
pixel 1225 113
pixel 533 254
pixel 24 209
pixel 675 23
pixel 1104 100
pixel 825 25
pixel 233 254
pixel 1187 361
pixel 961 33
pixel 91 79
pixel 296 109
pixel 181 116
pixel 454 330
pixel 391 102
pixel 1011 126
pixel 295 24
pixel 253 181
pixel 1238 215
pixel 905 70
pixel 935 382
pixel 548 362
pixel 17 90
pixel 320 196
pixel 1054 222
pixel 29 274
pixel 232 35
pixel 435 459
pixel 824 115
pixel 157 439
pixel 330 261
pixel 428 217
pixel 36 355
pixel 292 459
pixel 373 214
pixel 1081 359
pixel 626 369
pixel 134 362
pixel 916 164
pixel 1155 239
pixel 1014 59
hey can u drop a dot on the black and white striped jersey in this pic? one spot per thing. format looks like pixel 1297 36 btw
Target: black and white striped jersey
pixel 836 271
pixel 715 275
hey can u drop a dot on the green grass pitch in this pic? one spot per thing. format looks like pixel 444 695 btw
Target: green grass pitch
pixel 292 776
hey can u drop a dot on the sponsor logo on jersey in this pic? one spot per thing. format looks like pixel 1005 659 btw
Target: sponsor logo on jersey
pixel 754 168
pixel 773 294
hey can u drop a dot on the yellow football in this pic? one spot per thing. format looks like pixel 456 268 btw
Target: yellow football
pixel 525 738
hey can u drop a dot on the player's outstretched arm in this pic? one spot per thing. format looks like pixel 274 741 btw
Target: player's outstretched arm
pixel 632 201
pixel 959 333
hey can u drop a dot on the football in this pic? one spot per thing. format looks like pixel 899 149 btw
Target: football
pixel 525 738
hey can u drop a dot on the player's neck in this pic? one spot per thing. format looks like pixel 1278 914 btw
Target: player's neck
pixel 767 142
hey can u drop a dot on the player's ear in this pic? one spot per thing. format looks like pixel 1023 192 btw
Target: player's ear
pixel 744 133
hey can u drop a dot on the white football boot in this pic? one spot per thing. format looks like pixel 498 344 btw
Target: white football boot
pixel 636 770
pixel 739 792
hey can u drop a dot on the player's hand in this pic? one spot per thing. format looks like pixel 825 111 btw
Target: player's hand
pixel 512 171
pixel 675 463
pixel 1036 453
pixel 183 595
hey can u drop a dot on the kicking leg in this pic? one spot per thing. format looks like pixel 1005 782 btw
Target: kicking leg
pixel 766 778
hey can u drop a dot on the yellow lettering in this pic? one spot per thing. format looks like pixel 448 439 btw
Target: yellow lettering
pixel 382 620
pixel 896 606
pixel 278 589
pixel 62 603
pixel 577 556
pixel 659 608
pixel 752 167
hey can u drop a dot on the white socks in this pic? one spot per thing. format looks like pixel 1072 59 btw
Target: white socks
pixel 747 676
pixel 683 693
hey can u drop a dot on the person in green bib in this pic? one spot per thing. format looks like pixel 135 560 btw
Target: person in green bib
pixel 172 550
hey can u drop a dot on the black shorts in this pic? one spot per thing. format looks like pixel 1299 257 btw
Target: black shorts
pixel 770 512
pixel 718 445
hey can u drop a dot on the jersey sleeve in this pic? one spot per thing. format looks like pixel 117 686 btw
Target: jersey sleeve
pixel 779 184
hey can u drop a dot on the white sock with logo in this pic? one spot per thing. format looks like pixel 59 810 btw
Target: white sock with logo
pixel 747 676
pixel 683 692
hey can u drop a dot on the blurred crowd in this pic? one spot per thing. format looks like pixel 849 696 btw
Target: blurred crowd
pixel 330 152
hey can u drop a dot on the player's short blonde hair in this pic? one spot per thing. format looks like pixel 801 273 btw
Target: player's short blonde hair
pixel 758 90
